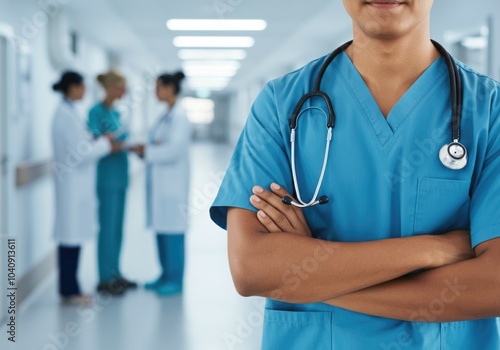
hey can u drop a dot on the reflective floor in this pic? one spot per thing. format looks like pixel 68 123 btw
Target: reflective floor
pixel 209 315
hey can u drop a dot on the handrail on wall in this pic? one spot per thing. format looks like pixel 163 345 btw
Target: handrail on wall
pixel 30 171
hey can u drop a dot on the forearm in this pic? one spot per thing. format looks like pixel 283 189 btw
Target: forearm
pixel 462 291
pixel 301 269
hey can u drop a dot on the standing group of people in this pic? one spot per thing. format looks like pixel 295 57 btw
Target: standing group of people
pixel 91 165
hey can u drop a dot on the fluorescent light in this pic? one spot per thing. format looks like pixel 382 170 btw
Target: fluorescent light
pixel 210 73
pixel 214 41
pixel 198 110
pixel 210 68
pixel 190 54
pixel 475 42
pixel 212 83
pixel 206 89
pixel 225 65
pixel 208 81
pixel 217 24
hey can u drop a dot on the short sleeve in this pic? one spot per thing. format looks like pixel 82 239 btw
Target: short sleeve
pixel 94 123
pixel 485 201
pixel 260 158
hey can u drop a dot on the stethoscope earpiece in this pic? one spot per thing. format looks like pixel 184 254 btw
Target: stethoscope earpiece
pixel 453 155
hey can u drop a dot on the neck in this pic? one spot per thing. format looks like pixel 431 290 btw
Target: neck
pixel 108 101
pixel 171 101
pixel 399 60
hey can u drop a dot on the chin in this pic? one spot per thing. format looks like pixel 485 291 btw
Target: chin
pixel 389 32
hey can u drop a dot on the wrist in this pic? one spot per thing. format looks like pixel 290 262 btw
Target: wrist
pixel 438 251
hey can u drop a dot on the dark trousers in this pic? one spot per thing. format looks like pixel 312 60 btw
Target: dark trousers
pixel 68 266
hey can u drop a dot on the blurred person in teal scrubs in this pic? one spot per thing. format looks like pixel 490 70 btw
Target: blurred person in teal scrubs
pixel 112 182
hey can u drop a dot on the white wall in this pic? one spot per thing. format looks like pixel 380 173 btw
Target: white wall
pixel 32 207
pixel 29 223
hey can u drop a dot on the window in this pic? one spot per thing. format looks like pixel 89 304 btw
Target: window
pixel 199 110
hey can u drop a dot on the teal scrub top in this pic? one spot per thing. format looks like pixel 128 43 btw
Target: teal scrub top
pixel 384 179
pixel 112 170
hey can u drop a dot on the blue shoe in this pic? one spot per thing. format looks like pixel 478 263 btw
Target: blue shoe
pixel 168 289
pixel 154 284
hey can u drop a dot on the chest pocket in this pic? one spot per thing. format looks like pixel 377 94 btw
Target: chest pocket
pixel 442 205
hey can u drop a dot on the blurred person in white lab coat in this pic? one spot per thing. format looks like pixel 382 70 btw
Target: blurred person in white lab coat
pixel 75 156
pixel 167 157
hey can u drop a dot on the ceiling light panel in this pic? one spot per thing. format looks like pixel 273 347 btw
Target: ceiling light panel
pixel 214 41
pixel 207 54
pixel 225 65
pixel 217 24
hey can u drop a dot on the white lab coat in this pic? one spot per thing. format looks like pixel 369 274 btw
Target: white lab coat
pixel 75 156
pixel 167 158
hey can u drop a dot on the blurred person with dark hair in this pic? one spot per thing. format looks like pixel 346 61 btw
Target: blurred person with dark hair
pixel 75 156
pixel 167 157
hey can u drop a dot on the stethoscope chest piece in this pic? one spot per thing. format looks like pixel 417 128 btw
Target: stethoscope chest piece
pixel 453 156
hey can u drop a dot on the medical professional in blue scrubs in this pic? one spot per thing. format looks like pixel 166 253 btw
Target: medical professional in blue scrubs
pixel 112 182
pixel 167 158
pixel 405 253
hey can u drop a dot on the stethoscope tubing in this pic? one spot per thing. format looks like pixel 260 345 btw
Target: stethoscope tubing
pixel 448 159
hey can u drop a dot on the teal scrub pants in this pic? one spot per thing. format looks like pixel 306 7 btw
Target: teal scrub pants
pixel 111 216
pixel 171 255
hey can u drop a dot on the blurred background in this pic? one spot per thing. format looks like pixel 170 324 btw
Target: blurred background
pixel 225 70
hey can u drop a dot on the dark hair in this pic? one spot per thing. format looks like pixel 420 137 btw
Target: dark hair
pixel 67 80
pixel 172 79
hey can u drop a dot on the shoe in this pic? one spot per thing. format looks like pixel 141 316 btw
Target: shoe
pixel 153 285
pixel 113 287
pixel 168 289
pixel 125 282
pixel 78 300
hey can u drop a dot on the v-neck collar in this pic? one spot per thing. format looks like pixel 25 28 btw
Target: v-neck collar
pixel 385 128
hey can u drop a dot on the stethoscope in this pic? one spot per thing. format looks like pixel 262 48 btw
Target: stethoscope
pixel 166 118
pixel 452 155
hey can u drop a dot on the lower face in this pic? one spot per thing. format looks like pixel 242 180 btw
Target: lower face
pixel 388 18
pixel 161 92
pixel 117 91
pixel 78 92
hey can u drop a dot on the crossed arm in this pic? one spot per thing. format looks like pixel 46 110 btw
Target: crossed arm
pixel 273 254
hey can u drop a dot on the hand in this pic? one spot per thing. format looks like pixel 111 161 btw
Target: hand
pixel 138 149
pixel 110 137
pixel 116 146
pixel 276 216
pixel 456 247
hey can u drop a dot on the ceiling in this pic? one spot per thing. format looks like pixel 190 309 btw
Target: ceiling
pixel 295 33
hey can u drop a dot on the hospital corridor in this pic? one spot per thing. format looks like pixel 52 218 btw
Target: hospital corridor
pixel 209 315
pixel 244 175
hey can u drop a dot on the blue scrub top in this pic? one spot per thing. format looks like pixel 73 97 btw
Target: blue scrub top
pixel 112 170
pixel 384 179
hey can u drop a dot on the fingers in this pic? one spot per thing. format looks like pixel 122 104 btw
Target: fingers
pixel 267 222
pixel 281 192
pixel 284 216
pixel 268 212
